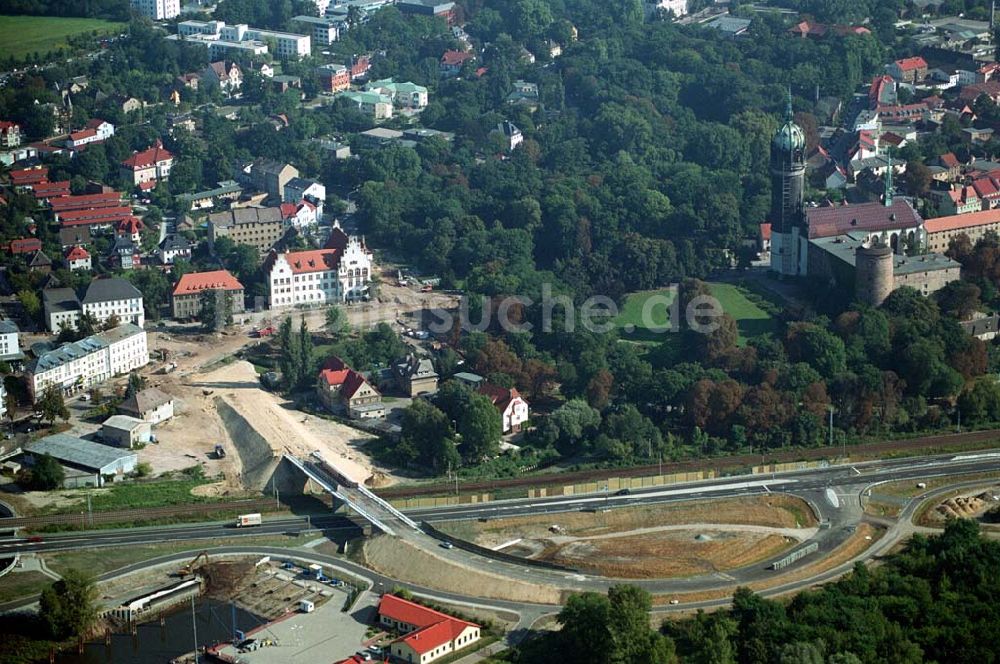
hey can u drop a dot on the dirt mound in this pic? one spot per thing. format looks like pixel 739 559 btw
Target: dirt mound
pixel 962 507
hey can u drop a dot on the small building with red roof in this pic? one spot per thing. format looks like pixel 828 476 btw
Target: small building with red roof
pixel 427 635
pixel 186 297
pixel 152 165
pixel 77 258
pixel 509 403
pixel 342 389
pixel 908 70
pixel 25 178
pixel 452 62
pixel 25 245
pixel 130 226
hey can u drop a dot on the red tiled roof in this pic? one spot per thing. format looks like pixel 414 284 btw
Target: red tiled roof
pixel 838 220
pixel 352 383
pixel 315 260
pixel 25 245
pixel 334 376
pixel 82 134
pixel 24 176
pixel 949 160
pixel 95 123
pixel 77 253
pixel 147 186
pixel 986 187
pixel 434 628
pixel 51 189
pixel 910 64
pixel 959 221
pixel 94 217
pixel 130 225
pixel 287 210
pixel 6 126
pixel 147 158
pixel 195 282
pixel 85 202
pixel 765 231
pixel 456 58
pixel 500 396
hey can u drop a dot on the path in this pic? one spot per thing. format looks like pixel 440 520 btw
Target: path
pixel 793 533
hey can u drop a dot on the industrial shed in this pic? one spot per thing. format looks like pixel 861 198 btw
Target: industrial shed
pixel 86 462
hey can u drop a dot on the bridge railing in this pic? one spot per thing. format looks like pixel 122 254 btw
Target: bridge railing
pixel 388 508
pixel 325 481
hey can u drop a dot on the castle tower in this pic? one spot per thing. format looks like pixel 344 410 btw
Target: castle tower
pixel 873 280
pixel 787 216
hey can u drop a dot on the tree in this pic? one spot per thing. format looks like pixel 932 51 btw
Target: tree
pixel 959 299
pixel 480 428
pixel 586 636
pixel 136 383
pixel 305 360
pixel 32 305
pixel 52 405
pixel 45 475
pixel 427 431
pixel 111 323
pixel 69 606
pixel 216 311
pixel 336 321
pixel 10 403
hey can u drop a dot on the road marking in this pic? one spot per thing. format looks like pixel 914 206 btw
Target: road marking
pixel 506 544
pixel 831 497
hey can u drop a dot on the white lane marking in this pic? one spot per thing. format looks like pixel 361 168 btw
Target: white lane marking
pixel 831 497
pixel 506 544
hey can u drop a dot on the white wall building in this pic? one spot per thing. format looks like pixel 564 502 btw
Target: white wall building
pixel 304 189
pixel 319 276
pixel 157 10
pixel 114 297
pixel 77 366
pixel 10 344
pixel 218 36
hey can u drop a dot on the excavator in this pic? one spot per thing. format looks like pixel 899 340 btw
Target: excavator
pixel 189 568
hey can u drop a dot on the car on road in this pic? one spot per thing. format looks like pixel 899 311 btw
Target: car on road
pixel 447 545
pixel 35 539
pixel 623 492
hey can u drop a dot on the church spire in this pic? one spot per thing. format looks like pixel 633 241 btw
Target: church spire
pixel 788 108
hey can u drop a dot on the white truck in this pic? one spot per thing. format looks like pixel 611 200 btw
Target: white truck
pixel 244 520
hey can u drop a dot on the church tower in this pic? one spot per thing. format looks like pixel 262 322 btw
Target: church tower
pixel 788 170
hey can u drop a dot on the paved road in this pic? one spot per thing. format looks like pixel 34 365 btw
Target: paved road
pixel 833 492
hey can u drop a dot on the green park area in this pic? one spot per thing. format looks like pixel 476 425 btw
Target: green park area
pixel 744 306
pixel 23 36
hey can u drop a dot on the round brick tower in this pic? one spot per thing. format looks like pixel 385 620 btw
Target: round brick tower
pixel 873 279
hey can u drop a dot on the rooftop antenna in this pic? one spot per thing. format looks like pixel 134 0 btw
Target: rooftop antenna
pixel 788 108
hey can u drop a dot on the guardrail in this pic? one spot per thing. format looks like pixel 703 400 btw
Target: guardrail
pixel 329 484
pixel 388 508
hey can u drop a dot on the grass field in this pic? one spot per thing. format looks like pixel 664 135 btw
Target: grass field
pixel 751 320
pixel 22 36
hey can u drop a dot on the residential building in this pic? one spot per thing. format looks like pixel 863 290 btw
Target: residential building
pixel 984 327
pixel 77 258
pixel 300 215
pixel 130 227
pixel 226 75
pixel 125 431
pixel 509 403
pixel 452 62
pixel 10 135
pixel 324 31
pixel 25 245
pixel 78 366
pixel 334 78
pixel 415 375
pixel 975 225
pixel 40 262
pixel 125 253
pixel 269 176
pixel 10 343
pixel 152 165
pixel 512 136
pixel 85 463
pixel 104 200
pixel 157 10
pixel 319 276
pixel 150 405
pixel 908 70
pixel 173 247
pixel 676 7
pixel 469 379
pixel 74 236
pixel 284 82
pixel 227 191
pixel 61 307
pixel 304 189
pixel 729 26
pixel 359 66
pixel 114 297
pixel 26 178
pixel 342 389
pixel 956 199
pixel 186 298
pixel 259 227
pixel 10 157
pixel 524 94
pixel 372 104
pixel 95 131
pixel 427 635
pixel 403 95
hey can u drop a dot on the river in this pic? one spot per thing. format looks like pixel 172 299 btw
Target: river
pixel 156 644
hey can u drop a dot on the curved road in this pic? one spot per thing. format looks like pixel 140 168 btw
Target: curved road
pixel 834 493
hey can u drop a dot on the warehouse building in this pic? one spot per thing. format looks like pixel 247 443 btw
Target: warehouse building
pixel 125 431
pixel 86 463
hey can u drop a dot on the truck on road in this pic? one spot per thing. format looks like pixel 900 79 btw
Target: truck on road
pixel 245 520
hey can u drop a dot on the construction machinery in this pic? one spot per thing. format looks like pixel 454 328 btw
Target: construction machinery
pixel 189 568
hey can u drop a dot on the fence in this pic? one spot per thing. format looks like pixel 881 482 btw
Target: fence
pixel 812 547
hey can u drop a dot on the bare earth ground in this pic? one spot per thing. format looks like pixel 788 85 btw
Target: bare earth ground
pixel 668 553
pixel 400 559
pixel 969 504
pixel 774 511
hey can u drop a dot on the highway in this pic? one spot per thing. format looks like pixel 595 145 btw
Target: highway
pixel 833 492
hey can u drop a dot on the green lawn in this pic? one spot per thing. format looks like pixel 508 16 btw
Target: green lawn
pixel 751 320
pixel 22 584
pixel 24 35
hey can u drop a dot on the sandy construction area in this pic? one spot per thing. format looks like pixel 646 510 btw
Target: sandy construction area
pixel 285 429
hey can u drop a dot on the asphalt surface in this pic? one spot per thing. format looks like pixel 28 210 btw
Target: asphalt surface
pixel 833 492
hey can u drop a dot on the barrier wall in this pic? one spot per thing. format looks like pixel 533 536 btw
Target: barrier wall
pixel 490 553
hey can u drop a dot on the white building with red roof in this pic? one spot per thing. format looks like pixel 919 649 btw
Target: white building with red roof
pixel 95 131
pixel 452 62
pixel 152 165
pixel 427 635
pixel 908 70
pixel 10 135
pixel 511 405
pixel 186 298
pixel 319 276
pixel 300 215
pixel 77 258
pixel 340 388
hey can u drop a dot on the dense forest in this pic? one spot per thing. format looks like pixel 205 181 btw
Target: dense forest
pixel 932 602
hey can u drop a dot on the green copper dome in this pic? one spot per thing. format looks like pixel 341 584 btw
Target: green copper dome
pixel 790 137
